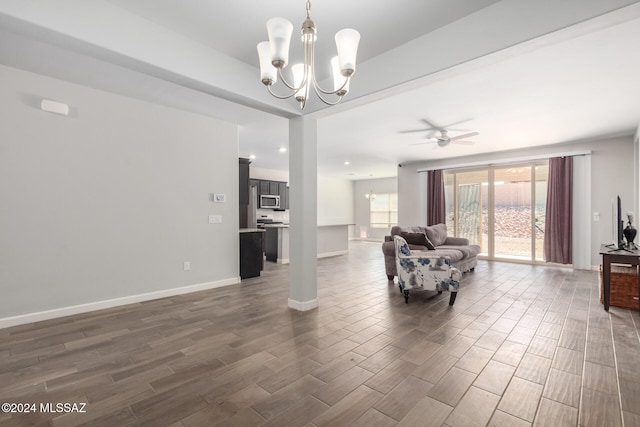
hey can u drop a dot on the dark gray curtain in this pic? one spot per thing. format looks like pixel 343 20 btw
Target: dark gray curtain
pixel 558 224
pixel 436 208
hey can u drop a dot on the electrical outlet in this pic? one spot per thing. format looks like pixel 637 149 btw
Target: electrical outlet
pixel 215 219
pixel 187 266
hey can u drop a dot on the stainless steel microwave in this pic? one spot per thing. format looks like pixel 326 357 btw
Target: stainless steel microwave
pixel 269 202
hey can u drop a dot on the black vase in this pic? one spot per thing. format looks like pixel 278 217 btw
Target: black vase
pixel 629 234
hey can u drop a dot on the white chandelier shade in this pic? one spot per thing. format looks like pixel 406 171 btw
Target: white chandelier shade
pixel 340 82
pixel 279 30
pixel 268 73
pixel 347 41
pixel 299 82
pixel 274 57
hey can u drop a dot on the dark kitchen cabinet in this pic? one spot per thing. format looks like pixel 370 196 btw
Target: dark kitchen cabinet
pixel 271 244
pixel 251 257
pixel 274 188
pixel 243 181
pixel 282 192
pixel 264 188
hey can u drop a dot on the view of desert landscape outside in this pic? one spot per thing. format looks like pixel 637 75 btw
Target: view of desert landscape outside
pixel 518 208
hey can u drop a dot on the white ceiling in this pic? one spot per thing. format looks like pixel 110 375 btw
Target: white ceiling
pixel 418 60
pixel 235 28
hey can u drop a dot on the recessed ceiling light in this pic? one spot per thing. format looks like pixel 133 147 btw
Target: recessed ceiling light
pixel 283 149
pixel 252 157
pixel 346 163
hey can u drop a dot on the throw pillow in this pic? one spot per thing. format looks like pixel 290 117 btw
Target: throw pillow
pixel 437 234
pixel 418 239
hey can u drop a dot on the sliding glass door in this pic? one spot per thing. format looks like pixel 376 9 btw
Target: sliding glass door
pixel 467 203
pixel 499 208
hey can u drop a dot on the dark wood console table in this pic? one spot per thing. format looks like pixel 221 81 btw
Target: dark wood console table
pixel 609 256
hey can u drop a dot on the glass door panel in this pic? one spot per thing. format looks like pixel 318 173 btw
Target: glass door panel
pixel 542 175
pixel 513 212
pixel 450 203
pixel 472 207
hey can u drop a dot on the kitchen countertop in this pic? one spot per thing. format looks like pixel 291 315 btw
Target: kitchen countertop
pixel 251 230
pixel 267 225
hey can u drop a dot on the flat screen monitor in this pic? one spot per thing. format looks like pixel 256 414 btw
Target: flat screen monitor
pixel 618 224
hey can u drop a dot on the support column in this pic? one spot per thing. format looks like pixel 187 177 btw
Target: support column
pixel 303 213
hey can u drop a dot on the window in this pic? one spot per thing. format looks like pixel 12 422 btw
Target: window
pixel 383 210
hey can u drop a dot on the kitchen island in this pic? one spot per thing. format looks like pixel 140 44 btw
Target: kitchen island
pixel 251 261
pixel 332 240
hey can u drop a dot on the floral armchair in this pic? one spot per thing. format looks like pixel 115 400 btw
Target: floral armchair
pixel 425 271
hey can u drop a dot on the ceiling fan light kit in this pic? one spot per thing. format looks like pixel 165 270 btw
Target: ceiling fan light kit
pixel 274 57
pixel 443 139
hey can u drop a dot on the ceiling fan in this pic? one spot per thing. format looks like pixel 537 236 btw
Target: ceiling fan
pixel 440 135
pixel 444 139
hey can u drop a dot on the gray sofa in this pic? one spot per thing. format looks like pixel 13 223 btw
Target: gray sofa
pixel 462 254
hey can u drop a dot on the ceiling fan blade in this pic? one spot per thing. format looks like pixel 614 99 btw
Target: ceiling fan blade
pixel 466 135
pixel 413 130
pixel 449 126
pixel 431 125
pixel 422 143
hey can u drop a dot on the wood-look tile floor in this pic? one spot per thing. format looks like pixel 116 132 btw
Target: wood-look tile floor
pixel 523 345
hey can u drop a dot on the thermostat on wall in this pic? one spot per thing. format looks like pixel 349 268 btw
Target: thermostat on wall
pixel 54 107
pixel 219 198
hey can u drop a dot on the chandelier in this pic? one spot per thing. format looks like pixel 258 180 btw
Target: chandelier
pixel 274 56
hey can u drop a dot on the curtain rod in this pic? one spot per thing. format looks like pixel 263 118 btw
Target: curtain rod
pixel 508 160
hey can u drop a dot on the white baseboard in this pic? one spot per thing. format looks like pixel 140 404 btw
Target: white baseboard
pixel 324 255
pixel 369 239
pixel 303 305
pixel 336 253
pixel 101 305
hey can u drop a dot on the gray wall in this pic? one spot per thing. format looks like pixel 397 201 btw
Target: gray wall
pixel 110 201
pixel 612 173
pixel 335 201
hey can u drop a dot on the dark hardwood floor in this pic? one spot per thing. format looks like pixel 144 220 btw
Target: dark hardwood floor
pixel 523 345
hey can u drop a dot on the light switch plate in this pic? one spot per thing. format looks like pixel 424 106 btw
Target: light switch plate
pixel 219 198
pixel 215 219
